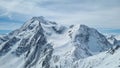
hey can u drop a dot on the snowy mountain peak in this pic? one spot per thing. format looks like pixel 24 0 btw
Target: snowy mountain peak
pixel 31 26
pixel 84 27
pixel 38 18
pixel 40 43
pixel 41 19
pixel 89 41
pixel 35 21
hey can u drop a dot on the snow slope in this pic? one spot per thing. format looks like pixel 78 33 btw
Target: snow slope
pixel 102 60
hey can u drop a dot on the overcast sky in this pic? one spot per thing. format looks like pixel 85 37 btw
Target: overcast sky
pixel 101 14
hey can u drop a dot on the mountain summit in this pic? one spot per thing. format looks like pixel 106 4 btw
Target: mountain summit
pixel 40 43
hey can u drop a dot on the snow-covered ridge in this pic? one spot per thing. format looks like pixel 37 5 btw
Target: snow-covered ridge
pixel 40 43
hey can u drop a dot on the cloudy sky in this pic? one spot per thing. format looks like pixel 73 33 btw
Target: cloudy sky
pixel 101 14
